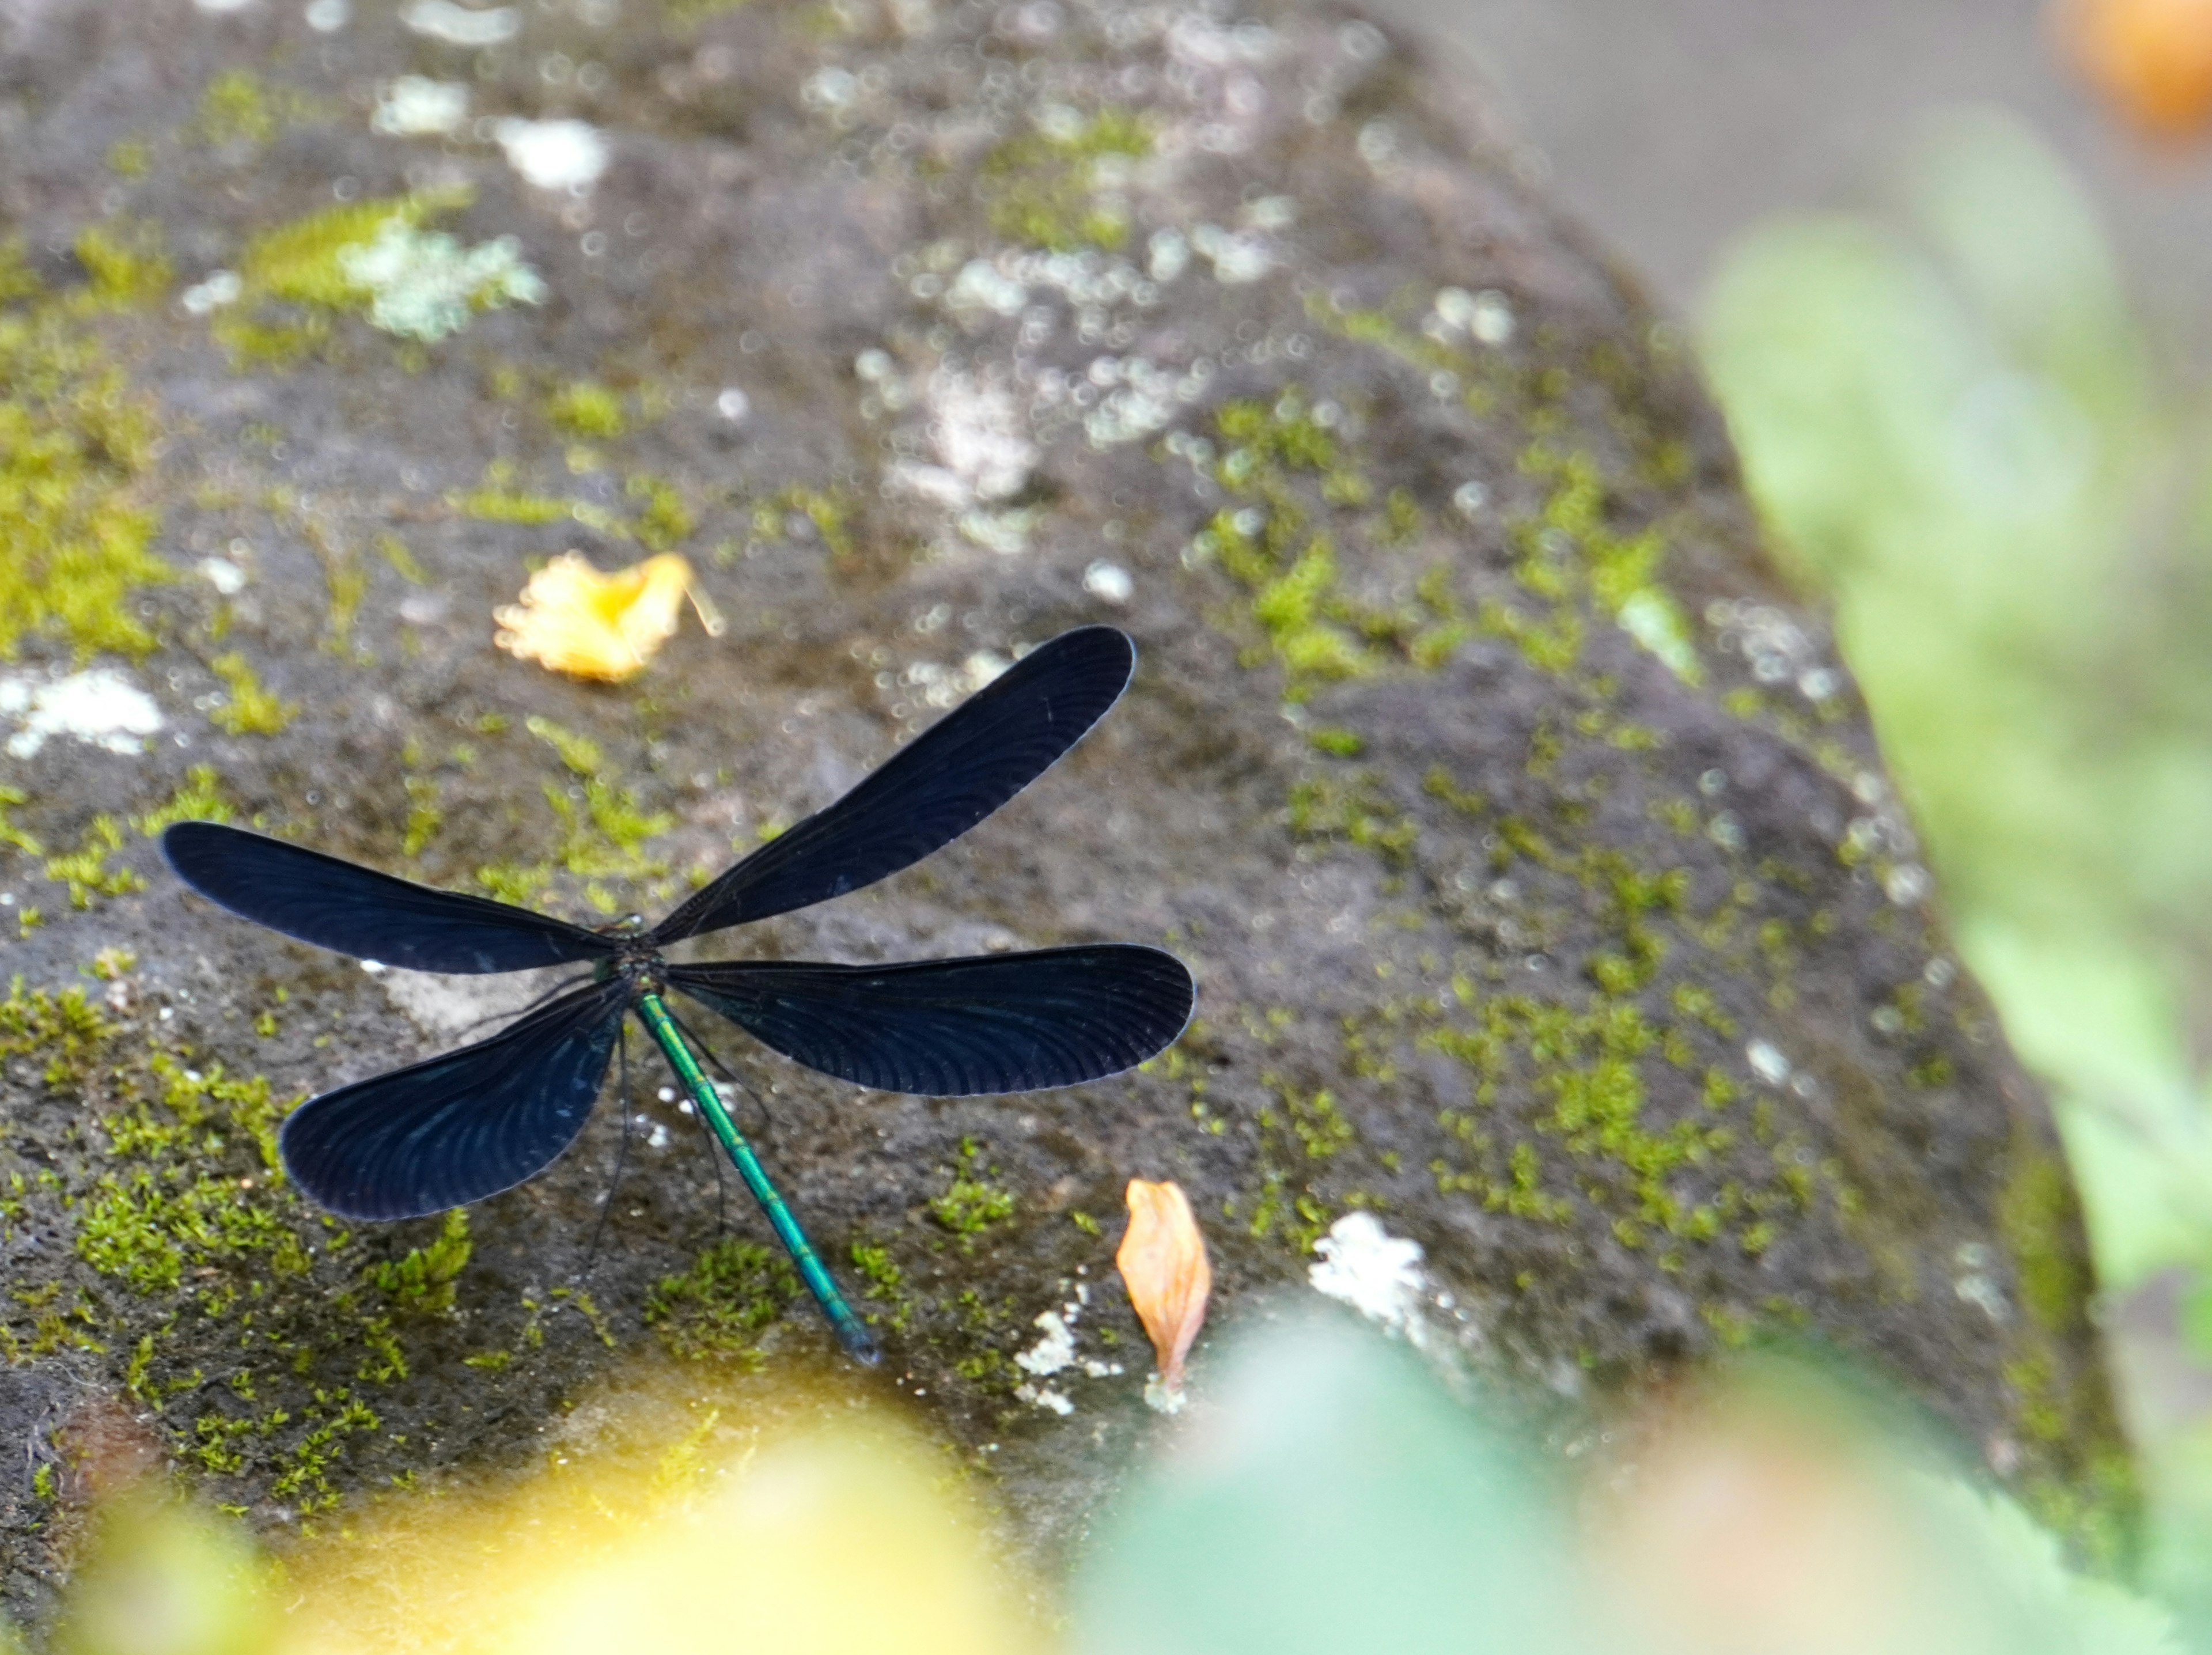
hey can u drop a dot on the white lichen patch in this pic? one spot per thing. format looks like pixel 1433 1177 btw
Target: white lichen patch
pixel 462 26
pixel 1982 1292
pixel 328 16
pixel 556 155
pixel 1007 532
pixel 1119 399
pixel 942 686
pixel 1161 1400
pixel 100 707
pixel 1055 1354
pixel 1907 885
pixel 986 426
pixel 1485 317
pixel 982 286
pixel 1375 1273
pixel 220 287
pixel 1197 39
pixel 1110 581
pixel 1139 397
pixel 830 89
pixel 1052 1352
pixel 1006 283
pixel 225 577
pixel 983 448
pixel 1212 64
pixel 1167 255
pixel 1767 1061
pixel 415 105
pixel 1045 1397
pixel 1450 313
pixel 424 285
pixel 934 484
pixel 1655 620
pixel 1777 648
pixel 1237 256
pixel 1974 1285
pixel 1196 453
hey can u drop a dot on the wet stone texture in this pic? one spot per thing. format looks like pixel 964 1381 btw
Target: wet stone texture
pixel 1531 850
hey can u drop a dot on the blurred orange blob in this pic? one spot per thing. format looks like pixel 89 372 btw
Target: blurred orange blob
pixel 1745 1531
pixel 1162 1262
pixel 575 620
pixel 1772 1510
pixel 2152 60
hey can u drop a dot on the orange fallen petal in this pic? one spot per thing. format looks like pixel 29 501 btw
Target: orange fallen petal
pixel 1163 1261
pixel 2152 60
pixel 573 619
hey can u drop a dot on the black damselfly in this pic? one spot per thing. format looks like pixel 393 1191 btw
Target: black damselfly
pixel 456 1128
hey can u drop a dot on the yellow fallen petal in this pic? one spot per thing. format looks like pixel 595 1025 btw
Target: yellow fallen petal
pixel 575 620
pixel 1163 1261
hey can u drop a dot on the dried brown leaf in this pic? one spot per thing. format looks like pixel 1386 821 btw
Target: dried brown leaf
pixel 1163 1261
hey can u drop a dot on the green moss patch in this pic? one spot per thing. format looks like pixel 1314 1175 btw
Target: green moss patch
pixel 1058 187
pixel 76 461
pixel 721 1306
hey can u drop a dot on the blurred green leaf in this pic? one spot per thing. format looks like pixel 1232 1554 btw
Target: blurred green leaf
pixel 1329 1494
pixel 1952 421
pixel 1330 1497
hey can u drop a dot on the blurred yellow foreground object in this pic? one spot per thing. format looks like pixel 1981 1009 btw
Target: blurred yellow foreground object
pixel 676 1530
pixel 575 620
pixel 1163 1261
pixel 2152 60
pixel 161 1578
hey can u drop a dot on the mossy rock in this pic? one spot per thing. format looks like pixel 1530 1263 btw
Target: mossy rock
pixel 1530 846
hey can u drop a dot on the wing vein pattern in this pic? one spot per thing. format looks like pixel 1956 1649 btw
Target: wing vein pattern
pixel 942 783
pixel 953 1028
pixel 457 1127
pixel 356 910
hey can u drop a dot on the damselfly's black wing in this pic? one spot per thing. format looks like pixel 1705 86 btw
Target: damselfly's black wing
pixel 456 1128
pixel 930 792
pixel 356 910
pixel 946 1028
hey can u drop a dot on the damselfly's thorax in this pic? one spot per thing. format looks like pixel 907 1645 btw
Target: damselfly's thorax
pixel 638 958
pixel 639 966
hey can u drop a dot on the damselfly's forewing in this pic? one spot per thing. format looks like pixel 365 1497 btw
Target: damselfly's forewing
pixel 931 791
pixel 353 910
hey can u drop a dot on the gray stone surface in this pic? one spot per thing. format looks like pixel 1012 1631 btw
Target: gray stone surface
pixel 1528 843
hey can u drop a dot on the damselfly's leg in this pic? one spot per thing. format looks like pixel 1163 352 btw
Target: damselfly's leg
pixel 622 1152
